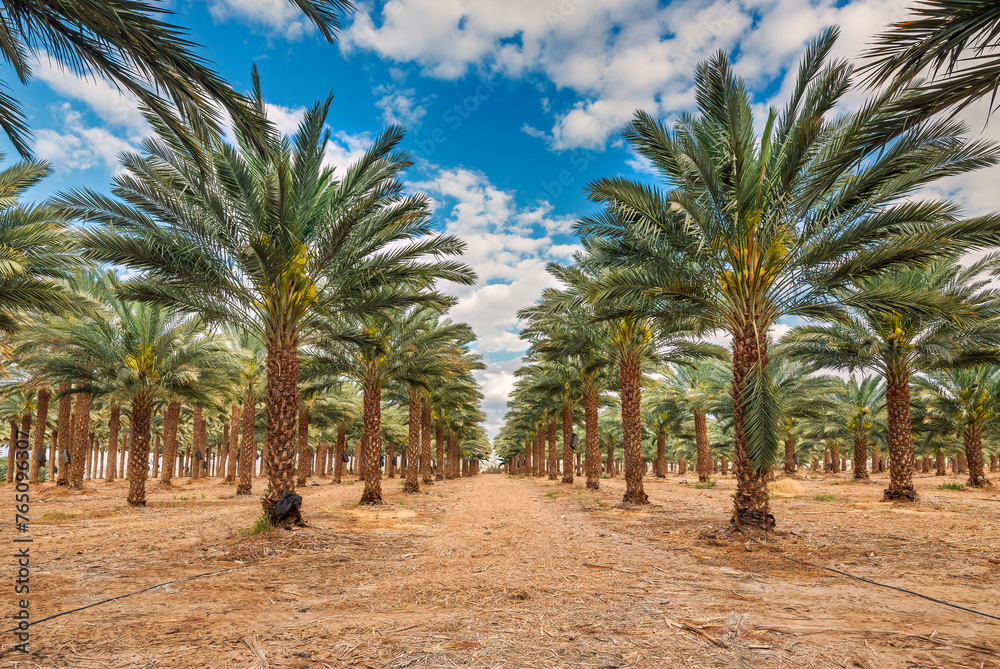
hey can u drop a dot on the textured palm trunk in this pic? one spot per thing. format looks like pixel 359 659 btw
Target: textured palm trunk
pixel 610 466
pixel 860 457
pixel 440 450
pixel 454 455
pixel 65 429
pixel 751 505
pixel 541 461
pixel 553 468
pixel 660 463
pixel 322 456
pixel 961 468
pixel 682 465
pixel 200 437
pixel 138 457
pixel 390 460
pixel 413 441
pixel 723 466
pixel 790 467
pixel 703 464
pixel 38 439
pixel 593 453
pixel 305 454
pixel 282 404
pixel 338 456
pixel 897 400
pixel 11 452
pixel 81 440
pixel 234 444
pixel 114 425
pixel 567 434
pixel 426 475
pixel 973 441
pixel 629 376
pixel 835 457
pixel 248 449
pixel 371 447
pixel 171 418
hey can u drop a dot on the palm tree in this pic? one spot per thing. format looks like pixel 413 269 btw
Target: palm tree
pixel 134 354
pixel 130 43
pixel 412 346
pixel 271 240
pixel 748 228
pixel 955 39
pixel 36 249
pixel 968 402
pixel 860 411
pixel 896 344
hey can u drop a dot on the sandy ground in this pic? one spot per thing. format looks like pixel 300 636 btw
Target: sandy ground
pixel 501 572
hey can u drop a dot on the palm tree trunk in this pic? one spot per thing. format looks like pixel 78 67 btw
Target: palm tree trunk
pixel 610 466
pixel 541 462
pixel 11 451
pixel 567 433
pixel 835 457
pixel 629 376
pixel 425 448
pixel 660 463
pixel 200 436
pixel 305 454
pixel 113 426
pixel 390 460
pixel 860 457
pixel 973 439
pixel 282 407
pixel 171 418
pixel 248 449
pixel 38 445
pixel 703 464
pixel 234 444
pixel 440 450
pixel 413 441
pixel 65 429
pixel 593 453
pixel 138 456
pixel 790 467
pixel 553 452
pixel 897 401
pixel 371 445
pixel 81 439
pixel 751 505
pixel 339 449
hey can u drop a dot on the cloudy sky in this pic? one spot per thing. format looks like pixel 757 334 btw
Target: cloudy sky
pixel 511 108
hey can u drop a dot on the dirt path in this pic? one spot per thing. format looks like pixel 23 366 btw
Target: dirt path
pixel 500 572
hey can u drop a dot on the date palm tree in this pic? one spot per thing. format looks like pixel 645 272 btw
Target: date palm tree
pixel 952 41
pixel 747 228
pixel 273 240
pixel 131 43
pixel 135 354
pixel 967 401
pixel 895 345
pixel 36 249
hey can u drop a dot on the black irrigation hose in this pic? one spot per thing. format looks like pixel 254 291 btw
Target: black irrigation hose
pixel 882 585
pixel 152 587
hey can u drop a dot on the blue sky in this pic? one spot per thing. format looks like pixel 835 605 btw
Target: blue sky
pixel 511 108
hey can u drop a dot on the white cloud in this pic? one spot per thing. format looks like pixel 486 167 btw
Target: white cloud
pixel 616 56
pixel 345 149
pixel 77 145
pixel 103 98
pixel 275 16
pixel 399 106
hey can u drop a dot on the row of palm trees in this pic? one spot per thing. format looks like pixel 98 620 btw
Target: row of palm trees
pixel 258 273
pixel 817 216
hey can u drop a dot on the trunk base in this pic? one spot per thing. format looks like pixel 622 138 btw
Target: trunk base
pixel 748 518
pixel 637 499
pixel 567 479
pixel 137 503
pixel 371 499
pixel 981 482
pixel 899 495
pixel 593 486
pixel 411 488
pixel 242 491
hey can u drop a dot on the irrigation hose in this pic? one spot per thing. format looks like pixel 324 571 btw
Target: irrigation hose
pixel 152 587
pixel 881 585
